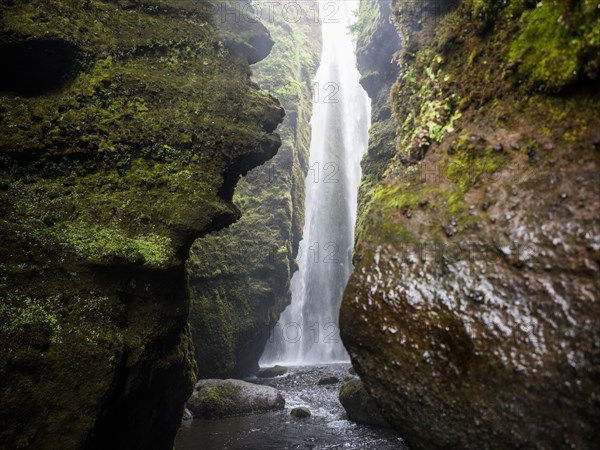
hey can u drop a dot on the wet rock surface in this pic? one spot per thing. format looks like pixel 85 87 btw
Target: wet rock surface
pixel 359 405
pixel 474 324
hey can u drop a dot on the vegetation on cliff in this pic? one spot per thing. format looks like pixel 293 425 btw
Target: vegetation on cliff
pixel 478 251
pixel 124 127
pixel 377 46
pixel 239 277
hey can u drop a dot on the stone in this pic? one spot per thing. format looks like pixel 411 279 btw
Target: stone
pixel 187 415
pixel 272 372
pixel 359 405
pixel 473 138
pixel 301 412
pixel 223 398
pixel 450 230
pixel 328 380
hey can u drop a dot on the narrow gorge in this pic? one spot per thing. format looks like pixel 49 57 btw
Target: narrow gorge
pixel 245 224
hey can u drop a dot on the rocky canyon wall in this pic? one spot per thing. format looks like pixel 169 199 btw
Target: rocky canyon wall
pixel 473 315
pixel 239 277
pixel 125 126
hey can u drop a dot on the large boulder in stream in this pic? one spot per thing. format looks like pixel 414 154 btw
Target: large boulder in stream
pixel 473 314
pixel 222 398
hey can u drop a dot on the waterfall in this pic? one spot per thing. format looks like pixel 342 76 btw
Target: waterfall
pixel 307 331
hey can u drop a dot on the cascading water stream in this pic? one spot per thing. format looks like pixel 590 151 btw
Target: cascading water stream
pixel 307 332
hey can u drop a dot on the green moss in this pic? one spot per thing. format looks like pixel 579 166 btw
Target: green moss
pixel 395 197
pixel 105 246
pixel 571 35
pixel 470 164
pixel 554 64
pixel 20 318
pixel 220 400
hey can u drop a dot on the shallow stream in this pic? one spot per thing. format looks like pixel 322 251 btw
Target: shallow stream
pixel 327 428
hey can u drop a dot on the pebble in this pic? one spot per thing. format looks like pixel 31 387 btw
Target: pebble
pixel 450 231
pixel 475 138
pixel 498 148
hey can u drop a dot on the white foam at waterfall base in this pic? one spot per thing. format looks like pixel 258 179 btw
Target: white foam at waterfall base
pixel 307 332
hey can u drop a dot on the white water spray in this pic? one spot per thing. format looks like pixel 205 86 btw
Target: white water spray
pixel 307 332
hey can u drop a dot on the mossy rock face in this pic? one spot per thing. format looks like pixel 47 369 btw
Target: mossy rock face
pixel 359 406
pixel 239 277
pixel 470 316
pixel 377 46
pixel 214 399
pixel 124 127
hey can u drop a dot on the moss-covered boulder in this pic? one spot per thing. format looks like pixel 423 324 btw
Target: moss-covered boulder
pixel 124 127
pixel 359 405
pixel 272 372
pixel 239 277
pixel 472 316
pixel 300 412
pixel 213 399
